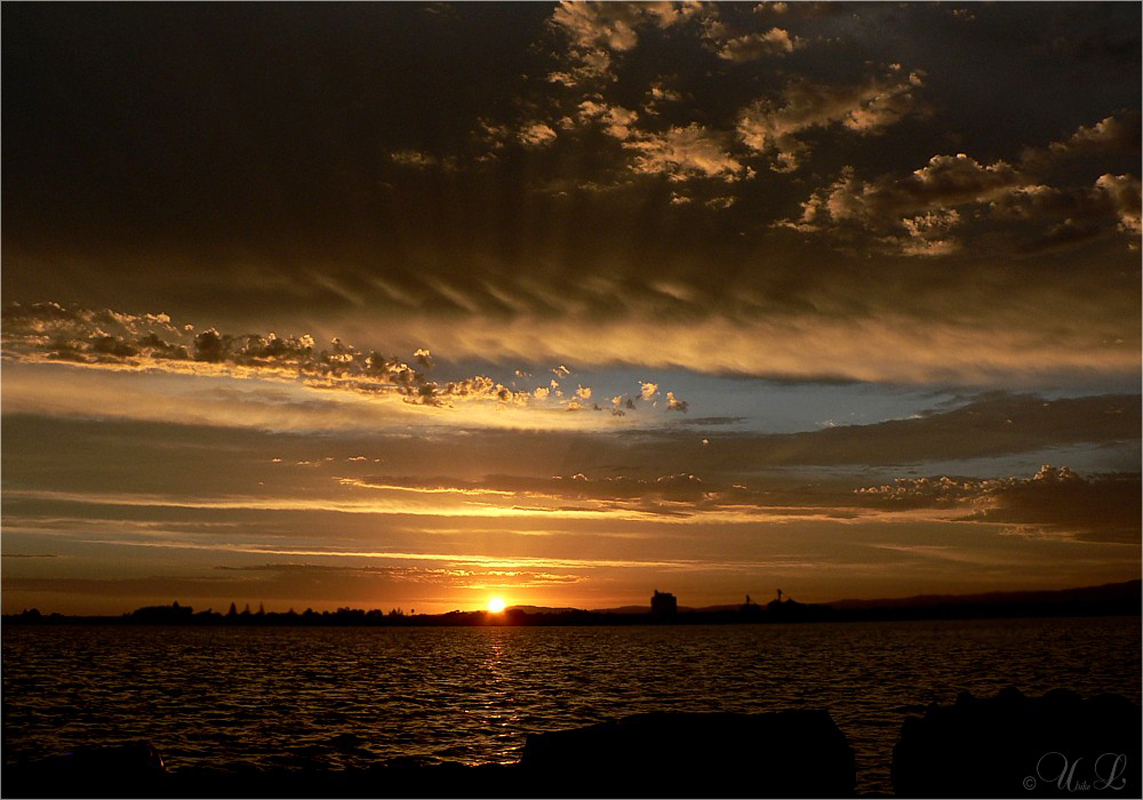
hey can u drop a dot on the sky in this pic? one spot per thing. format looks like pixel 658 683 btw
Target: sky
pixel 413 305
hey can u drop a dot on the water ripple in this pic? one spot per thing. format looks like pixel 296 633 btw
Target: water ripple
pixel 319 698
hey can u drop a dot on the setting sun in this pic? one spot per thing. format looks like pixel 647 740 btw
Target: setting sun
pixel 496 605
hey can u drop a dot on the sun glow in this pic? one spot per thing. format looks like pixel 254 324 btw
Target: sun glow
pixel 496 605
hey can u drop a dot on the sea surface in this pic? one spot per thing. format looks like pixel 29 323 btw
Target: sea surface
pixel 348 697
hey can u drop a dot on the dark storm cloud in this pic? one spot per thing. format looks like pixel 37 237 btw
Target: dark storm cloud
pixel 752 46
pixel 777 127
pixel 913 214
pixel 1123 191
pixel 929 210
pixel 598 31
pixel 1118 132
pixel 265 166
pixel 1103 508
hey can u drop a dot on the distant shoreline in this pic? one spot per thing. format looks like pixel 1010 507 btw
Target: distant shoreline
pixel 1116 599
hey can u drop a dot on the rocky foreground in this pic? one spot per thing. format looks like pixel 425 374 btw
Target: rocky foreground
pixel 1005 746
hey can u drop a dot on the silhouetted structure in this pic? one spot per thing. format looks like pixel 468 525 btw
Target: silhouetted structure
pixel 664 604
pixel 1058 745
pixel 790 610
pixel 164 615
pixel 1110 599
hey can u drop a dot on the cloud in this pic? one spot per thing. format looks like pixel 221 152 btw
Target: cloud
pixel 658 96
pixel 988 427
pixel 678 496
pixel 932 209
pixel 775 127
pixel 599 25
pixel 1061 217
pixel 617 121
pixel 945 181
pixel 685 152
pixel 1116 133
pixel 596 31
pixel 421 160
pixel 613 26
pixel 914 214
pixel 753 46
pixel 1054 501
pixel 537 134
pixel 52 332
pixel 424 358
pixel 674 404
pixel 1124 193
pixel 918 214
pixel 458 577
pixel 296 584
pixel 1075 214
pixel 680 152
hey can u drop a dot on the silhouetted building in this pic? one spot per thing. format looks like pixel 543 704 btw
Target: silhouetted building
pixel 750 608
pixel 780 605
pixel 664 604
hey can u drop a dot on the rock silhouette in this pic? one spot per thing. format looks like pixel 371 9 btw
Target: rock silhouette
pixel 1058 745
pixel 133 769
pixel 782 754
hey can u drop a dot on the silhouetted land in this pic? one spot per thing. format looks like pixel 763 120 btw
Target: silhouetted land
pixel 1113 599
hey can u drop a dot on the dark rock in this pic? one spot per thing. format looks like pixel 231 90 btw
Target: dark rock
pixel 127 770
pixel 1058 745
pixel 782 754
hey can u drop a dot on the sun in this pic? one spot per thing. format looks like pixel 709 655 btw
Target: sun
pixel 496 605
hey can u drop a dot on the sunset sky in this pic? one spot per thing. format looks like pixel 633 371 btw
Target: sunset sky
pixel 405 304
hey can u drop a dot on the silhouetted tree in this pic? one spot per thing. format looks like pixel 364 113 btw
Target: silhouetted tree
pixel 664 604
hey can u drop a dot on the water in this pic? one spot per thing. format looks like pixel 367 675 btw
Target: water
pixel 348 697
